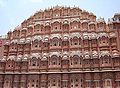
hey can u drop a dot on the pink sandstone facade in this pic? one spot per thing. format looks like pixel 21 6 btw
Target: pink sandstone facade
pixel 62 47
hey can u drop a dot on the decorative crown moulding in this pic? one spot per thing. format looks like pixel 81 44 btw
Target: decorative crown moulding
pixel 45 38
pixel 86 55
pixel 3 59
pixel 56 20
pixel 28 40
pixel 12 57
pixel 104 53
pixel 64 55
pixel 22 41
pixel 95 55
pixel 78 53
pixel 23 29
pixel 14 41
pixel 93 35
pixel 47 23
pixel 25 57
pixel 115 53
pixel 75 20
pixel 65 22
pixel 90 23
pixel 55 36
pixel 19 57
pixel 65 36
pixel 37 37
pixel 55 53
pixel 44 56
pixel 103 35
pixel 39 23
pixel 31 25
pixel 85 35
pixel 37 55
pixel 84 21
pixel 78 35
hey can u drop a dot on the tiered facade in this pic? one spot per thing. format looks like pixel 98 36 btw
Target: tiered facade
pixel 62 47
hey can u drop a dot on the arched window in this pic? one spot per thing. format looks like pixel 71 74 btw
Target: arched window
pixel 106 60
pixel 65 26
pixel 30 30
pixel 100 26
pixel 56 25
pixel 85 26
pixel 75 60
pixel 86 42
pixel 40 43
pixel 37 27
pixel 55 42
pixel 113 40
pixel 46 42
pixel 23 33
pixel 75 41
pixel 47 28
pixel 34 62
pixel 56 13
pixel 92 27
pixel 54 60
pixel 74 25
pixel 103 40
pixel 35 43
pixel 65 41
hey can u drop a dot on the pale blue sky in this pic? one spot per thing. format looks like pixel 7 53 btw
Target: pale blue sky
pixel 13 12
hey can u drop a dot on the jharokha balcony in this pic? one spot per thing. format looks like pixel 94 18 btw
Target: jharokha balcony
pixel 62 47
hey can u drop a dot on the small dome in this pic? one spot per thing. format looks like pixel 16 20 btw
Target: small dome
pixel 101 20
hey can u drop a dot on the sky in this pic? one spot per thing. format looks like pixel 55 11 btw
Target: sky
pixel 14 12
